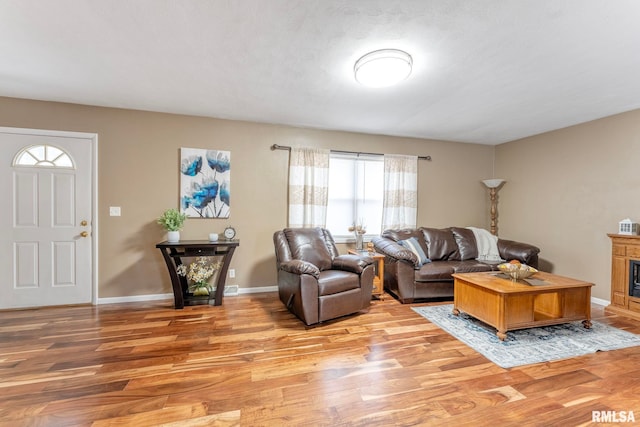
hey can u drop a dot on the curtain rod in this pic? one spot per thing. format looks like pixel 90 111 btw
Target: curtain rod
pixel 285 147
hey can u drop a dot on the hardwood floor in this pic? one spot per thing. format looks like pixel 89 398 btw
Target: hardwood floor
pixel 251 363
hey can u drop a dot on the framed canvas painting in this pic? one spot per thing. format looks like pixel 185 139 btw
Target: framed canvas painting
pixel 205 183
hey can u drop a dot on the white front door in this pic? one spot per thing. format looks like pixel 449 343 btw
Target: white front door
pixel 46 216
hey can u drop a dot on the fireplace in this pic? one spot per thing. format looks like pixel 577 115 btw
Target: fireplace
pixel 634 278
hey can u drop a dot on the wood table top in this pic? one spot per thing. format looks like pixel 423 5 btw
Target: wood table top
pixel 539 282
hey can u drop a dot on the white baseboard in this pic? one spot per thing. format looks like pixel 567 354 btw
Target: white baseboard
pixel 136 298
pixel 258 290
pixel 600 301
pixel 229 291
pixel 234 290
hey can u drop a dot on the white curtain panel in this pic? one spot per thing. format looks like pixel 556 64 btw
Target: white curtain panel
pixel 308 187
pixel 400 202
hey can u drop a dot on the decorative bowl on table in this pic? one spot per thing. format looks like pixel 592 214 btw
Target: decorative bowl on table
pixel 517 270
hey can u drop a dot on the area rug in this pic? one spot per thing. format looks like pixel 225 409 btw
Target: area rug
pixel 527 346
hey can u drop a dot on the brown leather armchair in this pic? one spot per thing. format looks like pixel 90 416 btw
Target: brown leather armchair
pixel 315 282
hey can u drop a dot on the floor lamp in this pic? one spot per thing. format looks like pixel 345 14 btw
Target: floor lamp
pixel 494 185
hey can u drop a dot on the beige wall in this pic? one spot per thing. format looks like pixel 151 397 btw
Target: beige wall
pixel 138 159
pixel 567 189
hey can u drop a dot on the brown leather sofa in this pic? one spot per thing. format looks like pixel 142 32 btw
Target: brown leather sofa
pixel 449 250
pixel 315 282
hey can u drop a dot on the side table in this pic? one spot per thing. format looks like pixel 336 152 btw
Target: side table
pixel 378 278
pixel 174 252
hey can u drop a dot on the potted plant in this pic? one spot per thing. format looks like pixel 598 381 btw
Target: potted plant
pixel 172 221
pixel 359 230
pixel 198 274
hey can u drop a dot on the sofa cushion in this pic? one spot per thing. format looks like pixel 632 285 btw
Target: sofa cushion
pixel 466 241
pixel 441 245
pixel 471 266
pixel 335 281
pixel 442 270
pixel 308 244
pixel 406 233
pixel 435 271
pixel 414 246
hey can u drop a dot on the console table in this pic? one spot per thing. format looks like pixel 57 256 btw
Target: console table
pixel 173 254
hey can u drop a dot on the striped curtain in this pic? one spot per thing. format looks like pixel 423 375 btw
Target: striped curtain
pixel 308 187
pixel 400 199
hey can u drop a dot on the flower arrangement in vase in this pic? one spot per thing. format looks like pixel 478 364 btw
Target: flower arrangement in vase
pixel 198 274
pixel 359 230
pixel 172 221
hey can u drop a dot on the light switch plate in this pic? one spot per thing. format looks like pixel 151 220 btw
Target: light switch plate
pixel 114 210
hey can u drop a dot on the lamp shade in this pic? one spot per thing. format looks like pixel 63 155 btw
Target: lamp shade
pixel 493 183
pixel 383 67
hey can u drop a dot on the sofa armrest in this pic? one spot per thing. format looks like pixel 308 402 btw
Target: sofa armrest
pixel 296 266
pixel 523 252
pixel 351 262
pixel 388 247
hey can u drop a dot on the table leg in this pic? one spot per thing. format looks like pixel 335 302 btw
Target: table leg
pixel 175 280
pixel 222 277
pixel 587 322
pixel 381 277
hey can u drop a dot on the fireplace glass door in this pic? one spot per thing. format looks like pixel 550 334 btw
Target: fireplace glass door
pixel 634 278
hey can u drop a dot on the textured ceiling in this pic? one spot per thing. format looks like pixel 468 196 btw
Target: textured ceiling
pixel 485 71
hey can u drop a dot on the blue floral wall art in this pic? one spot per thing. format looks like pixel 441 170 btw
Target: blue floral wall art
pixel 204 183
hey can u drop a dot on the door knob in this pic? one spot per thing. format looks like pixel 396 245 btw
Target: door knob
pixel 83 223
pixel 84 234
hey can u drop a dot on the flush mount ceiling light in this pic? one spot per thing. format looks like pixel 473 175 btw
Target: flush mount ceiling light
pixel 383 67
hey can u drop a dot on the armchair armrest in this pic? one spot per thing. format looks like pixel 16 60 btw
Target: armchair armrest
pixel 388 247
pixel 296 266
pixel 353 263
pixel 524 252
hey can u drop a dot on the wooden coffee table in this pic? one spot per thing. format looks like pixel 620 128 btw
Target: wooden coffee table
pixel 507 305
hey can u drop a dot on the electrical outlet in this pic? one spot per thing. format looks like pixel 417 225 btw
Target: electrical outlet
pixel 114 210
pixel 232 273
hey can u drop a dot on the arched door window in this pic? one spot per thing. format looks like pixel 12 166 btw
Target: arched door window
pixel 43 156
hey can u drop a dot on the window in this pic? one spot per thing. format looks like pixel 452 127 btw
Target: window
pixel 44 156
pixel 355 194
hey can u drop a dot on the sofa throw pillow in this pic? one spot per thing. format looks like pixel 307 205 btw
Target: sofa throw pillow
pixel 414 246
